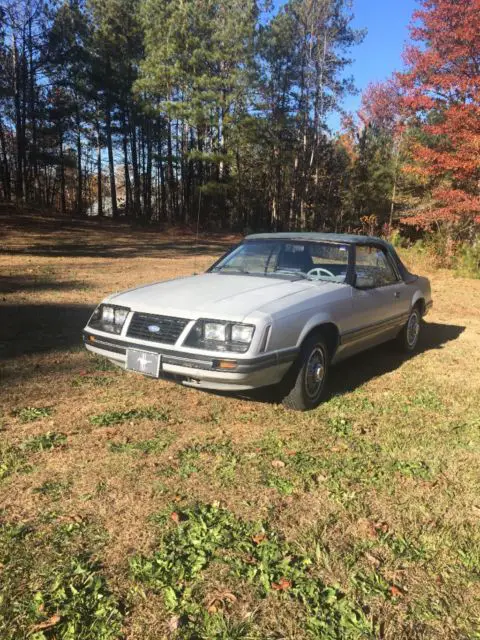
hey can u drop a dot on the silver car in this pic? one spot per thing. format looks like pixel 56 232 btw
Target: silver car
pixel 275 311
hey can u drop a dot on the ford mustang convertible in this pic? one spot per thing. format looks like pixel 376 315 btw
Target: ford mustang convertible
pixel 275 311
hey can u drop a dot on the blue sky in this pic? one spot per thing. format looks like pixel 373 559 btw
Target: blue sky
pixel 380 53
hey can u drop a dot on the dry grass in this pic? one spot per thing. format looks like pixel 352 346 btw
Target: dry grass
pixel 378 488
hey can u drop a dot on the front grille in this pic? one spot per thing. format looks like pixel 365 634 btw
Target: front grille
pixel 168 331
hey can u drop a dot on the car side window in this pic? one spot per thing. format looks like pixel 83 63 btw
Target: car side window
pixel 373 268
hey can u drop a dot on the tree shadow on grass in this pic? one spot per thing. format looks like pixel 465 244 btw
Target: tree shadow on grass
pixel 133 249
pixel 27 329
pixel 10 284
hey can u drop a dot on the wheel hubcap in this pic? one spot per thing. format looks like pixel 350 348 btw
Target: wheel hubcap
pixel 413 329
pixel 315 372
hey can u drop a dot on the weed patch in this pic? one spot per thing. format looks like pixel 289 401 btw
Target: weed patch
pixel 54 489
pixel 98 363
pixel 413 469
pixel 12 460
pixel 92 380
pixel 44 442
pixel 154 445
pixel 371 584
pixel 403 547
pixel 340 426
pixel 109 418
pixel 52 587
pixel 219 458
pixel 31 414
pixel 208 535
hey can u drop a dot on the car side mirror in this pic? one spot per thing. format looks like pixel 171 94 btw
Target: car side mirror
pixel 364 281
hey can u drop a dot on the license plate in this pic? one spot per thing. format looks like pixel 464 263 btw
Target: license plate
pixel 143 362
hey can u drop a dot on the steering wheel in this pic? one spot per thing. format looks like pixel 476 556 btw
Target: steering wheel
pixel 317 271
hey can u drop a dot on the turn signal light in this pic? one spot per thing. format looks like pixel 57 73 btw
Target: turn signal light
pixel 226 364
pixel 91 338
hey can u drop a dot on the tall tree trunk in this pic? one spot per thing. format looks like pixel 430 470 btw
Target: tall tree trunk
pixel 177 191
pixel 5 168
pixel 111 165
pixel 32 113
pixel 184 170
pixel 396 152
pixel 148 172
pixel 172 213
pixel 163 191
pixel 141 153
pixel 79 206
pixel 126 168
pixel 99 171
pixel 136 175
pixel 18 123
pixel 63 201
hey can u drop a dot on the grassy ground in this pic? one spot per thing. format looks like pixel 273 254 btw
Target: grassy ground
pixel 135 508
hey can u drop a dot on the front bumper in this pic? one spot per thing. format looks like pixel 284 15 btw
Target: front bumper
pixel 198 370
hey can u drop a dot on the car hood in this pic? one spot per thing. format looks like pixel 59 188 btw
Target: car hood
pixel 211 295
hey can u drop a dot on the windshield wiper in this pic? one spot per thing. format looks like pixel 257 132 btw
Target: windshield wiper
pixel 227 271
pixel 288 272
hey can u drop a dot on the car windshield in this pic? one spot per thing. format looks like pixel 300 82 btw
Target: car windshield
pixel 287 259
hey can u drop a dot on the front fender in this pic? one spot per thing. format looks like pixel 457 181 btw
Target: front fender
pixel 314 322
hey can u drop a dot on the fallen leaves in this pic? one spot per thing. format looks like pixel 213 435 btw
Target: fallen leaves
pixel 396 592
pixel 51 622
pixel 369 529
pixel 173 623
pixel 258 538
pixel 220 600
pixel 282 585
pixel 278 464
pixel 372 559
pixel 381 527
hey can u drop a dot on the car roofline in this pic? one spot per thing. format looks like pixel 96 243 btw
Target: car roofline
pixel 315 236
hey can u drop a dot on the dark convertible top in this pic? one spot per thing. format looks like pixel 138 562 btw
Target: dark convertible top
pixel 347 238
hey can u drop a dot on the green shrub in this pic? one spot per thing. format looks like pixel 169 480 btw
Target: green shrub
pixel 468 260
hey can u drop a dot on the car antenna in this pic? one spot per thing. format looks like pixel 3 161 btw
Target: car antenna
pixel 196 233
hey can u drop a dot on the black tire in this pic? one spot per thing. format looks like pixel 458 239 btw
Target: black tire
pixel 407 339
pixel 303 387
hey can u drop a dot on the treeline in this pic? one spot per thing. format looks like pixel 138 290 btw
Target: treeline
pixel 166 110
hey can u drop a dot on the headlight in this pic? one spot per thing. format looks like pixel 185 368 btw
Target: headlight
pixel 214 331
pixel 242 333
pixel 109 318
pixel 217 335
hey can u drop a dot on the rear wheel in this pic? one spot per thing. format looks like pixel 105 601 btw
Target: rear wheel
pixel 304 385
pixel 408 337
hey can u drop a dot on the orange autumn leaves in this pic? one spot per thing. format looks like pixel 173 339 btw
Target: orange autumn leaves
pixel 433 108
pixel 441 89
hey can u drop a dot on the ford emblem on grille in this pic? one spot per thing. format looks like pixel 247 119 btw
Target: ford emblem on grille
pixel 153 328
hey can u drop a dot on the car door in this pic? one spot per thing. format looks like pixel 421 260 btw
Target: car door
pixel 378 298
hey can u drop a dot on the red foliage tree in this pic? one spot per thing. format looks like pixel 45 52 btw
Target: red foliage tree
pixel 382 105
pixel 442 99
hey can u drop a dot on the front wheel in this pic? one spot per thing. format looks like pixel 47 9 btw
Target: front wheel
pixel 304 384
pixel 408 337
